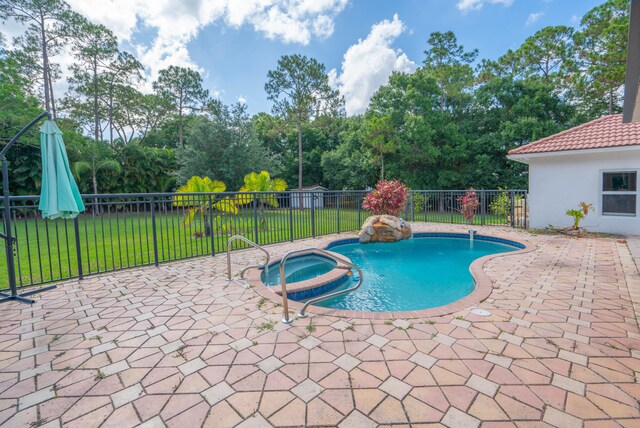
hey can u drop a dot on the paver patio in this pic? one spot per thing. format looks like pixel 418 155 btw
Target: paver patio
pixel 180 346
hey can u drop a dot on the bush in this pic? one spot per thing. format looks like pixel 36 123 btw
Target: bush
pixel 469 204
pixel 501 204
pixel 420 201
pixel 389 197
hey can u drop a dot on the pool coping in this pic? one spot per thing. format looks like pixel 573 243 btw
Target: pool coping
pixel 483 286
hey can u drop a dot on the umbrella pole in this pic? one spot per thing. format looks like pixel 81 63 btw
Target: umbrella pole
pixel 7 235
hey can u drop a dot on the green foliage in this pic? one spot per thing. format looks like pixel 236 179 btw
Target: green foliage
pixel 182 89
pixel 262 182
pixel 225 147
pixel 420 202
pixel 501 204
pixel 601 44
pixel 198 201
pixel 579 214
pixel 300 91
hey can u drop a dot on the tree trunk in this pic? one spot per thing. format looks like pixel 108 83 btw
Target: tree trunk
pixel 382 166
pixel 45 66
pixel 111 117
pixel 180 144
pixel 96 119
pixel 94 178
pixel 610 102
pixel 301 200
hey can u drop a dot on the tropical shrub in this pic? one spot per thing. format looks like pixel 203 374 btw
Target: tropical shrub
pixel 501 204
pixel 389 197
pixel 579 214
pixel 199 201
pixel 469 204
pixel 262 182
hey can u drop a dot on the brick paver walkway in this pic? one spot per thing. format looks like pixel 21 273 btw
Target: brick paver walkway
pixel 180 346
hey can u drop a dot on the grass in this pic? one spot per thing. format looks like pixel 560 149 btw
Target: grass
pixel 46 249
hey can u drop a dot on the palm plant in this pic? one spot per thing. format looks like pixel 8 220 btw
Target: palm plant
pixel 95 157
pixel 262 182
pixel 199 201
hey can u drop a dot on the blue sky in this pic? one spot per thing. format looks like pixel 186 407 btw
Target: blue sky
pixel 235 42
pixel 237 60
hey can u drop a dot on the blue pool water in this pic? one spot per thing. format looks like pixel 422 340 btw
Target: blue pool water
pixel 417 273
pixel 298 269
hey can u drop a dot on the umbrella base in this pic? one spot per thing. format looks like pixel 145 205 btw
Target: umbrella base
pixel 6 297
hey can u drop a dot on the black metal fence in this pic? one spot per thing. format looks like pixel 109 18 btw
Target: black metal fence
pixel 127 230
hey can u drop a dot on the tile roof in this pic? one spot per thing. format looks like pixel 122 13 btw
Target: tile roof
pixel 607 131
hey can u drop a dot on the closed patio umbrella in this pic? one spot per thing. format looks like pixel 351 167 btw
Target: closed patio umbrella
pixel 59 197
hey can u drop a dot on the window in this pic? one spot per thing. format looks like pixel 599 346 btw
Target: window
pixel 619 193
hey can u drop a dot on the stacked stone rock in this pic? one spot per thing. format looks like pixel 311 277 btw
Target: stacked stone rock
pixel 384 228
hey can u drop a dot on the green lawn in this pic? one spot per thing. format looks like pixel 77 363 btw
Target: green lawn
pixel 46 250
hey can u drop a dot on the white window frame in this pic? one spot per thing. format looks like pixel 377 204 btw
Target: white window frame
pixel 611 192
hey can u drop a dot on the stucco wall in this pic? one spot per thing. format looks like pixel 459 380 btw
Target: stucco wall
pixel 560 182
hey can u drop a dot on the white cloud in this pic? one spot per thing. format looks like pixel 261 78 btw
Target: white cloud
pixel 368 64
pixel 178 22
pixel 534 17
pixel 469 5
pixel 242 100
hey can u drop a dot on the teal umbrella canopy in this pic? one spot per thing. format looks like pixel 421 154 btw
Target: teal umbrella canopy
pixel 59 197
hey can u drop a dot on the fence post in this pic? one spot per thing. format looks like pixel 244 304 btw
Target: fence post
pixel 483 207
pixel 76 232
pixel 338 204
pixel 313 216
pixel 525 215
pixel 255 219
pixel 213 235
pixel 413 206
pixel 291 217
pixel 359 210
pixel 154 231
pixel 513 208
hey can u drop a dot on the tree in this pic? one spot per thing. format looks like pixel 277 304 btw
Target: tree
pixel 182 89
pixel 548 53
pixel 447 62
pixel 224 146
pixel 47 24
pixel 350 165
pixel 300 91
pixel 601 44
pixel 95 47
pixel 95 157
pixel 120 97
pixel 379 135
pixel 262 182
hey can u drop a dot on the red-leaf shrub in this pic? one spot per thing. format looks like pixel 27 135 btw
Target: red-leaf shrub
pixel 389 197
pixel 469 204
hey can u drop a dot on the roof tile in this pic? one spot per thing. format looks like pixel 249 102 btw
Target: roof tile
pixel 607 131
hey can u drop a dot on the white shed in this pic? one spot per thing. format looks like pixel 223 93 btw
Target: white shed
pixel 598 163
pixel 311 196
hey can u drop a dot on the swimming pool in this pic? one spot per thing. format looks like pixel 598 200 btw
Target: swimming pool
pixel 428 271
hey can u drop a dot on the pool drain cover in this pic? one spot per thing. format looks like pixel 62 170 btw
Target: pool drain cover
pixel 481 312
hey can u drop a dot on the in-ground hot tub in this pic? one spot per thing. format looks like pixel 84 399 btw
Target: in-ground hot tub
pixel 307 276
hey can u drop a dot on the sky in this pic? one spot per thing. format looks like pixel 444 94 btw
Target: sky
pixel 234 43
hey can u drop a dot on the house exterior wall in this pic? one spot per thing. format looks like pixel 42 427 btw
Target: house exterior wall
pixel 560 182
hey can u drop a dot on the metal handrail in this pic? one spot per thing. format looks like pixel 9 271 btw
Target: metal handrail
pixel 283 282
pixel 253 244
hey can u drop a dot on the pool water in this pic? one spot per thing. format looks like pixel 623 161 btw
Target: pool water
pixel 418 273
pixel 298 269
